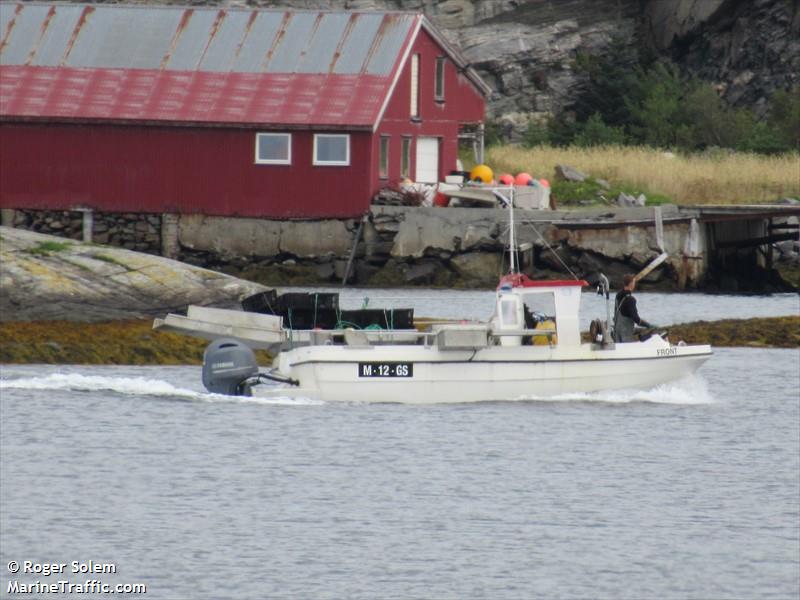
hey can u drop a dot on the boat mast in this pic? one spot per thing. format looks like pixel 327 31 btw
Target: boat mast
pixel 512 240
pixel 512 236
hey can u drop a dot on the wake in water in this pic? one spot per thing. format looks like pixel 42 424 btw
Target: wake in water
pixel 689 390
pixel 134 386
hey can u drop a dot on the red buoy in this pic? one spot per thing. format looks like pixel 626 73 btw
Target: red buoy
pixel 523 178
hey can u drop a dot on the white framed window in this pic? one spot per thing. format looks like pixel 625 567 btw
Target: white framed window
pixel 415 86
pixel 439 83
pixel 273 148
pixel 383 162
pixel 331 149
pixel 405 158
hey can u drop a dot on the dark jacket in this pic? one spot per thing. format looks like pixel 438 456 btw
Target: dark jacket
pixel 626 317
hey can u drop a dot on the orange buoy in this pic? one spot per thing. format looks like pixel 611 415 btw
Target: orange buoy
pixel 544 183
pixel 506 179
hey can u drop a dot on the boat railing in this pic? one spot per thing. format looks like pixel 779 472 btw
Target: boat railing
pixel 365 337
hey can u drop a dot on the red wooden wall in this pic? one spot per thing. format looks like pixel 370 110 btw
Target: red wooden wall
pixel 174 169
pixel 463 103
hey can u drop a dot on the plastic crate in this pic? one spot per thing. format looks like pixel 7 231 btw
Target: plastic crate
pixel 263 302
pixel 390 318
pixel 308 301
pixel 303 318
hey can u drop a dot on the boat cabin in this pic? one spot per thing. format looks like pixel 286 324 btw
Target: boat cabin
pixel 537 312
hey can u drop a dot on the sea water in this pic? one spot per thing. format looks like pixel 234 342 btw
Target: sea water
pixel 657 307
pixel 687 490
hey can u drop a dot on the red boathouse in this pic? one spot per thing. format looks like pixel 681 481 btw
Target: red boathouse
pixel 233 112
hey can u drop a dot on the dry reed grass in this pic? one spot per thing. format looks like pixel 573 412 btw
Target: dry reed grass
pixel 721 178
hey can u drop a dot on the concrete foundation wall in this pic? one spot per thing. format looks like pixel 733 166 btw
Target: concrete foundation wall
pixel 245 237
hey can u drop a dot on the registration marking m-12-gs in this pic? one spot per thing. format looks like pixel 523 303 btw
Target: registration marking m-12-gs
pixel 386 369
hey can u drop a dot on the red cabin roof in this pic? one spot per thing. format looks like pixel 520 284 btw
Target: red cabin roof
pixel 522 280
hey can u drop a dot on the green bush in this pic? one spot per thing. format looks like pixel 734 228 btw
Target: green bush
pixel 784 116
pixel 630 98
pixel 596 133
pixel 536 135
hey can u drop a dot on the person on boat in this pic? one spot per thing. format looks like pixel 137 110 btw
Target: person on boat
pixel 626 316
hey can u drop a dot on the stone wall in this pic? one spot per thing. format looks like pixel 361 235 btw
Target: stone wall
pixel 67 224
pixel 132 231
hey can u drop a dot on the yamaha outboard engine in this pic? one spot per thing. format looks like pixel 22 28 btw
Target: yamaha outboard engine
pixel 228 365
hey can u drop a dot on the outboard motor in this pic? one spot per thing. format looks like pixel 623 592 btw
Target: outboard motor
pixel 228 367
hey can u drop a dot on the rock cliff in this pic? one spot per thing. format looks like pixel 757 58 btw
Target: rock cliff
pixel 748 48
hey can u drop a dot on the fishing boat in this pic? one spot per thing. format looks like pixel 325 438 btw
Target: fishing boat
pixel 530 347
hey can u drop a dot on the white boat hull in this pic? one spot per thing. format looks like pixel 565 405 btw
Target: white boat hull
pixel 333 373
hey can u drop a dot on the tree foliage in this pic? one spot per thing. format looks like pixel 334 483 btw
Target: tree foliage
pixel 629 99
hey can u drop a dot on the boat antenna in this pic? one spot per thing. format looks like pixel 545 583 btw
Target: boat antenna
pixel 512 241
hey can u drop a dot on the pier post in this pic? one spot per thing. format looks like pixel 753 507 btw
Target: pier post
pixel 87 223
pixel 169 235
pixel 7 216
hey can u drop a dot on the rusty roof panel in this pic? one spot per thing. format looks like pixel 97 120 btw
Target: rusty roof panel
pixel 356 47
pixel 319 55
pixel 126 38
pixel 290 48
pixel 25 32
pixel 205 39
pixel 55 37
pixel 388 43
pixel 255 47
pixel 276 100
pixel 7 12
pixel 225 40
pixel 190 40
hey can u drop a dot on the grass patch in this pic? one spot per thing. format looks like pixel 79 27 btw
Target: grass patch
pixel 579 192
pixel 591 193
pixel 45 248
pixel 80 266
pixel 111 260
pixel 722 178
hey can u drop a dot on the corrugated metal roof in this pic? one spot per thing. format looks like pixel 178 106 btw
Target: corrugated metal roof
pixel 199 64
pixel 202 39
